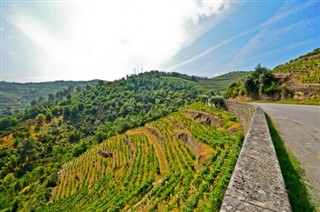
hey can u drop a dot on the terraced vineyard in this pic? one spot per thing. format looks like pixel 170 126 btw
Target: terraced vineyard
pixel 181 162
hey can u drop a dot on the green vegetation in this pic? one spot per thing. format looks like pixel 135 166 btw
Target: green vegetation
pixel 220 83
pixel 297 81
pixel 175 162
pixel 193 175
pixel 306 68
pixel 292 173
pixel 260 84
pixel 35 143
pixel 301 102
pixel 15 97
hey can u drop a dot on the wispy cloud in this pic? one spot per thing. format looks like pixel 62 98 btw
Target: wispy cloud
pixel 284 12
pixel 270 34
pixel 211 49
pixel 107 39
pixel 261 31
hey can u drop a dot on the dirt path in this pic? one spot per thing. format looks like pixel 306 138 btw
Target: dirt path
pixel 299 127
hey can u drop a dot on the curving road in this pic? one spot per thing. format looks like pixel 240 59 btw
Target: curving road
pixel 299 127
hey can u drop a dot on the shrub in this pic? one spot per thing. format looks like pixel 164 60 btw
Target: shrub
pixel 217 101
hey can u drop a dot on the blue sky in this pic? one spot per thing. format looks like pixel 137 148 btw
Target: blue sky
pixel 82 40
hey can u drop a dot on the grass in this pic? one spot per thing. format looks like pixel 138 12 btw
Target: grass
pixel 287 101
pixel 292 173
pixel 300 102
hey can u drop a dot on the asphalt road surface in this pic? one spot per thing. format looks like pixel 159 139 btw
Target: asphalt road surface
pixel 299 127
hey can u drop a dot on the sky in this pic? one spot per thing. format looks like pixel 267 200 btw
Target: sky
pixel 47 40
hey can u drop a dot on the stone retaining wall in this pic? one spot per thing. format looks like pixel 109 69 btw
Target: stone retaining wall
pixel 243 111
pixel 257 183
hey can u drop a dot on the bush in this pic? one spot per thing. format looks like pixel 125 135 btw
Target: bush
pixel 40 118
pixel 217 101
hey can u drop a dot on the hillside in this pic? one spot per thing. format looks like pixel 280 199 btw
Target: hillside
pixel 16 96
pixel 304 69
pixel 180 161
pixel 184 160
pixel 221 83
pixel 298 79
pixel 35 143
pixel 301 75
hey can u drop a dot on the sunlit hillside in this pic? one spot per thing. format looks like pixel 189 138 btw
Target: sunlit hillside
pixel 183 161
pixel 70 148
pixel 305 69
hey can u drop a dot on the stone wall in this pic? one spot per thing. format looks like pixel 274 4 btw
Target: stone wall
pixel 243 111
pixel 257 183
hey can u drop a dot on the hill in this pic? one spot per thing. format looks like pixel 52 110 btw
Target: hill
pixel 298 79
pixel 221 83
pixel 16 96
pixel 177 162
pixel 305 69
pixel 35 143
pixel 301 75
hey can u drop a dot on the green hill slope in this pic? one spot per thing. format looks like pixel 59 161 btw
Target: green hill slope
pixel 221 83
pixel 68 152
pixel 305 69
pixel 16 96
pixel 298 79
pixel 302 76
pixel 172 163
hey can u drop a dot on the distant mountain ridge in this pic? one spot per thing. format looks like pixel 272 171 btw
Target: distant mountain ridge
pixel 16 96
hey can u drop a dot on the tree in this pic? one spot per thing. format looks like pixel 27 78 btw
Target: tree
pixel 267 83
pixel 233 90
pixel 100 136
pixel 66 112
pixel 251 87
pixel 49 115
pixel 259 70
pixel 51 98
pixel 7 122
pixel 40 118
pixel 74 137
pixel 74 111
pixel 204 98
pixel 79 149
pixel 217 101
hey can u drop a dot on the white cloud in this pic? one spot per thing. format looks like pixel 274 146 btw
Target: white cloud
pixel 211 49
pixel 270 34
pixel 107 39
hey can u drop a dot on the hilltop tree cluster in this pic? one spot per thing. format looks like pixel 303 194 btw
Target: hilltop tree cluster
pixel 260 84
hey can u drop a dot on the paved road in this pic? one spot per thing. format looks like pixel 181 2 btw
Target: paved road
pixel 299 127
